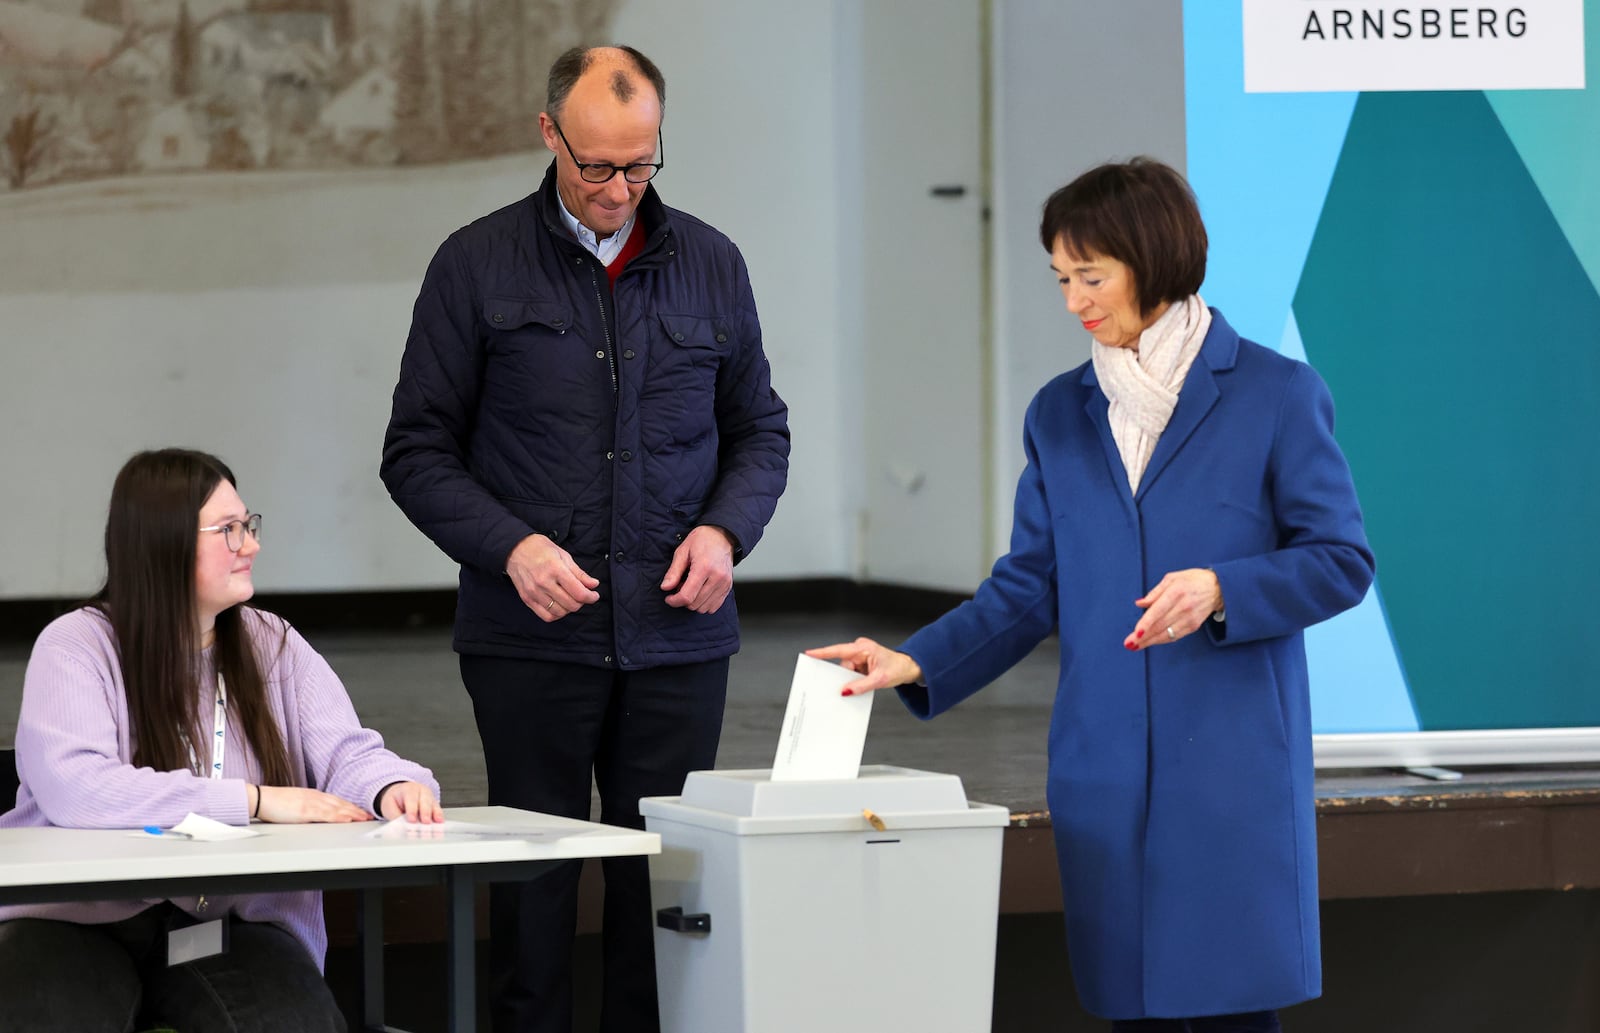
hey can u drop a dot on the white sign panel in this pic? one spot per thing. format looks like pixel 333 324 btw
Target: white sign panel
pixel 1320 46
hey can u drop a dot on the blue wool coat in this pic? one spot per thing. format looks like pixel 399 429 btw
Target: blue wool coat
pixel 1180 777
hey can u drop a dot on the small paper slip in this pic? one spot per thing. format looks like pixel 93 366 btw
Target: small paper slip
pixel 197 826
pixel 200 828
pixel 823 732
pixel 399 828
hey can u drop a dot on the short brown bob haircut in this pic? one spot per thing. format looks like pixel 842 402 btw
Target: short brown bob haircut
pixel 1141 213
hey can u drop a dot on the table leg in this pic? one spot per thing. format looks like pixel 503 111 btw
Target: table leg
pixel 463 984
pixel 369 917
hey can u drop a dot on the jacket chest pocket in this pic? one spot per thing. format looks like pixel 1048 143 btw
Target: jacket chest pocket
pixel 530 355
pixel 685 357
pixel 514 322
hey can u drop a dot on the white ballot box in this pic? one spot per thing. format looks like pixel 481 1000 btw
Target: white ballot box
pixel 863 904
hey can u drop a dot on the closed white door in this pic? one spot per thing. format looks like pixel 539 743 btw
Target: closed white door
pixel 925 439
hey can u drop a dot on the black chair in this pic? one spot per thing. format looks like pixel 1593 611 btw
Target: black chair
pixel 8 780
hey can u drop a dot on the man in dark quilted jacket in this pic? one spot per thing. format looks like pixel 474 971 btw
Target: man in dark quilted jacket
pixel 585 422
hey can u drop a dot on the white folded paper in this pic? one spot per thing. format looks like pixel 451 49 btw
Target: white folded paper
pixel 400 828
pixel 198 826
pixel 823 732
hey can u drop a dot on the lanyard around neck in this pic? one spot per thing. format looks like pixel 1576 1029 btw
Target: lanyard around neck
pixel 219 733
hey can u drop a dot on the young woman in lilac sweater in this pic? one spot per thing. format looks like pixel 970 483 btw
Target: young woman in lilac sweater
pixel 121 707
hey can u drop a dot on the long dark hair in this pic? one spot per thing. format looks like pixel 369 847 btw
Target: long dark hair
pixel 152 531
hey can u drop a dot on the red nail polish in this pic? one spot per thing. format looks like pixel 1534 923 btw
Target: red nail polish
pixel 1138 634
pixel 848 692
pixel 1129 646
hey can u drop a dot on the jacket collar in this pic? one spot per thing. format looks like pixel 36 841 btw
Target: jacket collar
pixel 652 216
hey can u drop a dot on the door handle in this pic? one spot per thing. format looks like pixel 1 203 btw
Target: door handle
pixel 673 918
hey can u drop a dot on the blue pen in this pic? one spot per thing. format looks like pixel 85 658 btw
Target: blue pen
pixel 157 830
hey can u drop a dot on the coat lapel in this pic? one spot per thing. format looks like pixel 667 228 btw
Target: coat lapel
pixel 1197 397
pixel 1098 408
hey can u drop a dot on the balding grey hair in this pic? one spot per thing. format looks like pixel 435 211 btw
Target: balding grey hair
pixel 571 65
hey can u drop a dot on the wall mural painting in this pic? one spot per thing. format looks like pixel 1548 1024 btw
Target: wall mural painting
pixel 104 89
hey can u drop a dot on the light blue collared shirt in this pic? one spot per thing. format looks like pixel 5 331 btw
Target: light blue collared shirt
pixel 605 250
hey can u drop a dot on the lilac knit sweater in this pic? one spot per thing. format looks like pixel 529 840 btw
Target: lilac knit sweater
pixel 74 758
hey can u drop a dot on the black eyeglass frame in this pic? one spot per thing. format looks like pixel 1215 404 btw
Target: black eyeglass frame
pixel 626 170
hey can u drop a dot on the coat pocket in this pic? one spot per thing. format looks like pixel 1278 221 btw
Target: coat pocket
pixel 679 391
pixel 707 335
pixel 505 315
pixel 551 519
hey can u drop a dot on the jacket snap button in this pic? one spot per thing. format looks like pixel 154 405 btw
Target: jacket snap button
pixel 626 456
pixel 608 659
pixel 498 318
pixel 621 556
pixel 608 455
pixel 599 355
pixel 722 338
pixel 677 337
pixel 628 354
pixel 559 323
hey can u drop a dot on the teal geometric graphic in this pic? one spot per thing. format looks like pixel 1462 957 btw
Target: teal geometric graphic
pixel 1557 132
pixel 1457 328
pixel 1260 165
pixel 1357 684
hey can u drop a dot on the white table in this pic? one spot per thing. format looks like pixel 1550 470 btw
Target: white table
pixel 43 865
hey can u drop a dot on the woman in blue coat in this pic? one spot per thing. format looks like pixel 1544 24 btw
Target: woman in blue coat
pixel 1184 515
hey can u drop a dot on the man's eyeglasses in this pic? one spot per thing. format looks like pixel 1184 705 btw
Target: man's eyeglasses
pixel 601 172
pixel 233 531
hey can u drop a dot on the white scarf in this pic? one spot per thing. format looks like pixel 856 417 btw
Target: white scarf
pixel 1143 383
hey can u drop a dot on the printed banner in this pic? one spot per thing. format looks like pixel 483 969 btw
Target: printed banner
pixel 1319 46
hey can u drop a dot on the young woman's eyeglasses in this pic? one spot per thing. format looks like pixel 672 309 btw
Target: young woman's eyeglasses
pixel 233 531
pixel 601 172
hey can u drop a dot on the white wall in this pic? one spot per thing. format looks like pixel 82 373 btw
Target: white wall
pixel 121 329
pixel 114 338
pixel 1076 84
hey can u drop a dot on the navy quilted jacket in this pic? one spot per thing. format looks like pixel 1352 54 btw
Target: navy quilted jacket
pixel 533 399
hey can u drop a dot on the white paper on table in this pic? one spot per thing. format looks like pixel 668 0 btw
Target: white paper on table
pixel 209 830
pixel 400 828
pixel 823 732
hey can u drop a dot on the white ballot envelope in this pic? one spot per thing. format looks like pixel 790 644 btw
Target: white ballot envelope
pixel 823 732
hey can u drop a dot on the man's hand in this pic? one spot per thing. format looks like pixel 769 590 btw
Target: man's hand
pixel 701 574
pixel 549 582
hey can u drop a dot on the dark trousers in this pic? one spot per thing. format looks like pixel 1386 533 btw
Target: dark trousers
pixel 546 728
pixel 114 978
pixel 1244 1022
